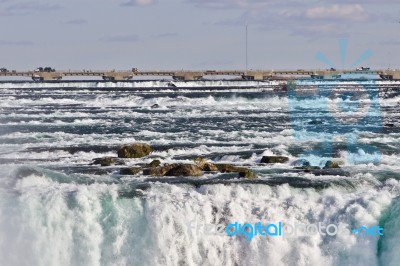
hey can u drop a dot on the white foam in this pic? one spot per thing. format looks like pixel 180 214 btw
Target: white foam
pixel 90 224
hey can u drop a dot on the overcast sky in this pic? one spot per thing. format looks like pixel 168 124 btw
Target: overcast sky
pixel 196 34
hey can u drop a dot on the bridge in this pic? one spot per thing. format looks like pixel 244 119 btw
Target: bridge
pixel 258 75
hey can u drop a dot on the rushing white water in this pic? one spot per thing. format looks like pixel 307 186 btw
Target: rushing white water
pixel 64 224
pixel 56 209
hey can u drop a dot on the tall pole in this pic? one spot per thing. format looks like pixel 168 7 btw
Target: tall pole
pixel 246 49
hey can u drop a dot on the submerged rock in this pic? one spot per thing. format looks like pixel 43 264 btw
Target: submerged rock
pixel 130 171
pixel 274 159
pixel 309 168
pixel 332 171
pixel 155 106
pixel 185 170
pixel 137 150
pixel 316 122
pixel 108 161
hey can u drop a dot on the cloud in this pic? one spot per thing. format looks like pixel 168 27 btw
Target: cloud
pixel 139 2
pixel 121 38
pixel 302 19
pixel 15 43
pixel 320 30
pixel 391 42
pixel 167 35
pixel 27 8
pixel 230 4
pixel 76 21
pixel 349 12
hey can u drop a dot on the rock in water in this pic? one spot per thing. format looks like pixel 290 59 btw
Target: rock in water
pixel 200 161
pixel 108 161
pixel 315 122
pixel 243 172
pixel 274 159
pixel 155 106
pixel 226 168
pixel 130 171
pixel 209 167
pixel 247 173
pixel 137 150
pixel 154 163
pixel 159 171
pixel 204 165
pixel 388 125
pixel 185 170
pixel 331 165
pixel 305 165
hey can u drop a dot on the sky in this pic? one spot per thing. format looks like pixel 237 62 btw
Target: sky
pixel 197 34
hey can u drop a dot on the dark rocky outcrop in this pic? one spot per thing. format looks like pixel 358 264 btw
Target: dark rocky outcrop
pixel 247 173
pixel 204 165
pixel 316 122
pixel 159 171
pixel 331 165
pixel 229 168
pixel 389 125
pixel 130 171
pixel 200 161
pixel 274 159
pixel 155 106
pixel 185 170
pixel 305 165
pixel 108 161
pixel 209 167
pixel 197 169
pixel 174 170
pixel 137 150
pixel 226 168
pixel 154 163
